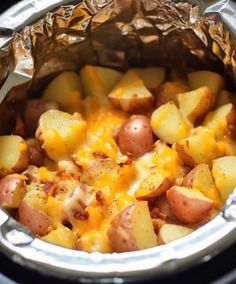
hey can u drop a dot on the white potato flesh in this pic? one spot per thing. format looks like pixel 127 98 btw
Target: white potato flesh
pixel 168 123
pixel 60 133
pixel 223 171
pixel 151 76
pixel 207 78
pixel 171 232
pixel 14 154
pixel 66 90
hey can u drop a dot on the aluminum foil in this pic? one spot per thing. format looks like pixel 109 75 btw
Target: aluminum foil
pixel 117 34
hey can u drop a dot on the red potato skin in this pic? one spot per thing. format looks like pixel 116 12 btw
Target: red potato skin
pixel 33 110
pixel 164 207
pixel 36 157
pixel 135 137
pixel 120 232
pixel 37 221
pixel 188 210
pixel 8 185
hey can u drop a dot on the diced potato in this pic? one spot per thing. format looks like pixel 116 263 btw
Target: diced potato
pixel 12 190
pixel 65 89
pixel 163 205
pixel 168 91
pixel 61 236
pixel 196 103
pixel 222 121
pixel 132 229
pixel 168 123
pixel 223 171
pixel 60 133
pixel 214 81
pixel 155 184
pixel 198 148
pixel 171 232
pixel 201 178
pixel 33 110
pixel 37 221
pixel 98 81
pixel 189 205
pixel 151 76
pixel 14 154
pixel 130 94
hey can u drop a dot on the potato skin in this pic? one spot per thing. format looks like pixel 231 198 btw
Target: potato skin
pixel 8 185
pixel 33 110
pixel 135 137
pixel 37 221
pixel 120 232
pixel 188 209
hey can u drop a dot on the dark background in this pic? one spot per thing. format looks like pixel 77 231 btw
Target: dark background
pixel 220 270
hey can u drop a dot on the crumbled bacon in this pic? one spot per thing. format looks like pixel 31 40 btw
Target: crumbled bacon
pixel 48 187
pixel 126 163
pixel 99 196
pixel 100 155
pixel 81 215
pixel 156 213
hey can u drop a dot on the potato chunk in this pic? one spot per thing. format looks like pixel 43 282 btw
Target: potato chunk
pixel 65 89
pixel 212 80
pixel 189 205
pixel 168 92
pixel 14 154
pixel 12 190
pixel 168 123
pixel 132 229
pixel 98 81
pixel 33 110
pixel 223 171
pixel 222 121
pixel 200 147
pixel 130 94
pixel 171 232
pixel 151 76
pixel 60 133
pixel 201 178
pixel 196 103
pixel 155 184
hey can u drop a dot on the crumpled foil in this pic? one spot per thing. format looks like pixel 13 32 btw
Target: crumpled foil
pixel 117 34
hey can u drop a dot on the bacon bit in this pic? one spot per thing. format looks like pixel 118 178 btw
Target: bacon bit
pixel 126 163
pixel 82 205
pixel 48 186
pixel 99 197
pixel 75 176
pixel 157 224
pixel 81 215
pixel 100 155
pixel 156 213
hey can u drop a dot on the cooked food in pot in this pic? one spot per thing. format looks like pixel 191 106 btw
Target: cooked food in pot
pixel 112 162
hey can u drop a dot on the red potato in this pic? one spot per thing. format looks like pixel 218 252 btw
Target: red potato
pixel 222 121
pixel 200 177
pixel 12 190
pixel 207 78
pixel 132 229
pixel 168 123
pixel 36 220
pixel 33 110
pixel 195 104
pixel 225 97
pixel 135 137
pixel 163 205
pixel 189 205
pixel 130 94
pixel 155 184
pixel 36 157
pixel 168 91
pixel 171 232
pixel 14 154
